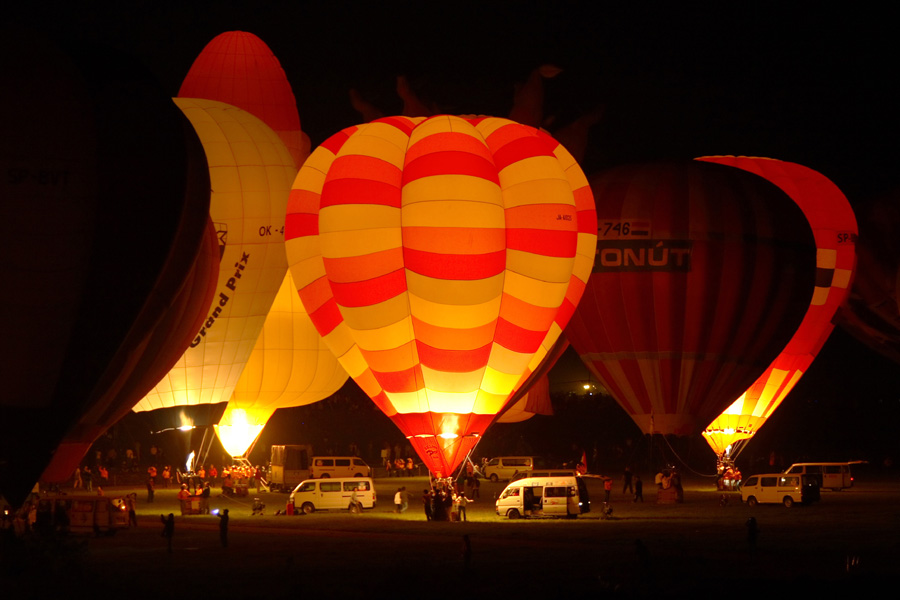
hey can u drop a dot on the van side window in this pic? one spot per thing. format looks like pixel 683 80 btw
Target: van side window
pixel 790 481
pixel 768 481
pixel 554 492
pixel 342 462
pixel 330 486
pixel 362 486
pixel 834 469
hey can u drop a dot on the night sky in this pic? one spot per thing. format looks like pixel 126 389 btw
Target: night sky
pixel 807 84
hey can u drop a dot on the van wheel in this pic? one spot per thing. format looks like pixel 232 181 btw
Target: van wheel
pixel 513 514
pixel 788 501
pixel 325 476
pixel 494 478
pixel 308 508
pixel 357 474
pixel 751 501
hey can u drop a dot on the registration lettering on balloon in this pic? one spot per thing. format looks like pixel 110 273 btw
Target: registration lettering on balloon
pixel 643 255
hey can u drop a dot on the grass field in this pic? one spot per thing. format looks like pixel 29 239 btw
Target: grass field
pixel 850 539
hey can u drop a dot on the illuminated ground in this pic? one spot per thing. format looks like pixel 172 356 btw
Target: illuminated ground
pixel 697 546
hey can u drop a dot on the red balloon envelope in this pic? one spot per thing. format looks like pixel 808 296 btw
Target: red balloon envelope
pixel 702 274
pixel 834 229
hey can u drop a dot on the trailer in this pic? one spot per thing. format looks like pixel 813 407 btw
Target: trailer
pixel 289 465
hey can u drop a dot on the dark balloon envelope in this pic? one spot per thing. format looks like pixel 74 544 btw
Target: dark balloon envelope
pixel 872 312
pixel 100 229
pixel 702 275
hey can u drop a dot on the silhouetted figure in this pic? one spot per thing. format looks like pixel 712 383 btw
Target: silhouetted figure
pixel 467 552
pixel 223 527
pixel 168 530
pixel 752 533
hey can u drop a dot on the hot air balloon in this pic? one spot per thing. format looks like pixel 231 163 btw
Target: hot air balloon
pixel 440 259
pixel 103 213
pixel 290 366
pixel 250 173
pixel 702 274
pixel 834 229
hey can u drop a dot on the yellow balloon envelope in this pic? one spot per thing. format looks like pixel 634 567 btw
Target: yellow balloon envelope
pixel 250 173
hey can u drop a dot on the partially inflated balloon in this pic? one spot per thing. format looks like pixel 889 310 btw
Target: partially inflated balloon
pixel 440 259
pixel 290 366
pixel 250 173
pixel 834 229
pixel 149 360
pixel 703 273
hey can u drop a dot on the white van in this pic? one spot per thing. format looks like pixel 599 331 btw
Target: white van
pixel 338 466
pixel 333 494
pixel 832 475
pixel 564 496
pixel 779 488
pixel 505 467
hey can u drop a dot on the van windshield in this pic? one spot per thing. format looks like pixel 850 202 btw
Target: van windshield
pixel 510 492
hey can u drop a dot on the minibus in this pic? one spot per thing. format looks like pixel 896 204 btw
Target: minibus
pixel 560 496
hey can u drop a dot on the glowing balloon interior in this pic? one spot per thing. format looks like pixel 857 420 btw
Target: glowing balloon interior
pixel 440 259
pixel 290 366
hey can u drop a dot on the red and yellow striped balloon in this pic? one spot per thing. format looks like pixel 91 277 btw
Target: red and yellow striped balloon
pixel 440 258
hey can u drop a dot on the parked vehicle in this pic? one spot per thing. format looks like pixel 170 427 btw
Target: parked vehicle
pixel 780 488
pixel 338 466
pixel 552 496
pixel 288 466
pixel 832 475
pixel 334 494
pixel 506 467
